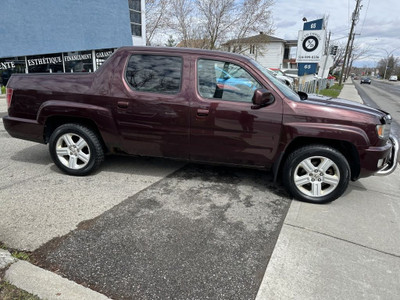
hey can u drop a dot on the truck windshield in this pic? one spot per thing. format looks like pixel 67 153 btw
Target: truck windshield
pixel 287 91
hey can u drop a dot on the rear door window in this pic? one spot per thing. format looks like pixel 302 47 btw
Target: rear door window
pixel 154 73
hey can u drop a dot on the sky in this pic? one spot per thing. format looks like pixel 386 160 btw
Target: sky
pixel 377 28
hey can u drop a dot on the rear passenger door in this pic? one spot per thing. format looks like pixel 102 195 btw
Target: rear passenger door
pixel 153 117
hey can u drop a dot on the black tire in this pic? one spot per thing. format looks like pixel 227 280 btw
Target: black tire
pixel 316 174
pixel 76 149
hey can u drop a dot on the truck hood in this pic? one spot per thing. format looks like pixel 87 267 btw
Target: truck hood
pixel 345 104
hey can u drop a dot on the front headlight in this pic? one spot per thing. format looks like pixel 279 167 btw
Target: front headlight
pixel 383 130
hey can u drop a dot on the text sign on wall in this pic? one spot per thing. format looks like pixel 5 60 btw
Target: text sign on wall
pixel 7 65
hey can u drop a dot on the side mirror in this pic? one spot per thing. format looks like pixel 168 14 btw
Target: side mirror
pixel 302 95
pixel 262 98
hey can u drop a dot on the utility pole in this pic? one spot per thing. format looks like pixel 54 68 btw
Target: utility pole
pixel 349 61
pixel 353 23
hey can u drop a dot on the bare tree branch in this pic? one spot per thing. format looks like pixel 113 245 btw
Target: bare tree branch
pixel 156 18
pixel 216 15
pixel 182 14
pixel 209 23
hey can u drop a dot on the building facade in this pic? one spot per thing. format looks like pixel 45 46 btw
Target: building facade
pixel 66 36
pixel 269 51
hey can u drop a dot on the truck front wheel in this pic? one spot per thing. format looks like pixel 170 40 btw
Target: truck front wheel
pixel 76 149
pixel 316 173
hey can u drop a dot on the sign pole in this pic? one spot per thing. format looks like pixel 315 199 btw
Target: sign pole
pixel 327 53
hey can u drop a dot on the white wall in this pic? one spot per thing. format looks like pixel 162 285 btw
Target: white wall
pixel 270 55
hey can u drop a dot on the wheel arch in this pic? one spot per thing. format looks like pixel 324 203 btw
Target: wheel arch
pixel 347 149
pixel 53 122
pixel 54 113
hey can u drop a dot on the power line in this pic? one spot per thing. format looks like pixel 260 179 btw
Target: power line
pixel 365 16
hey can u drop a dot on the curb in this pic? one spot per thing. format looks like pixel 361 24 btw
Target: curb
pixel 43 283
pixel 6 259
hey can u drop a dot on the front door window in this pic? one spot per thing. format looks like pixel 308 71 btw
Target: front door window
pixel 225 81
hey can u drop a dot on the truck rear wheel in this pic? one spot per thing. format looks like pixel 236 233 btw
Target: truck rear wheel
pixel 76 149
pixel 316 174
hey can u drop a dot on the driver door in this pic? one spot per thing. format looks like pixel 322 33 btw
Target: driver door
pixel 225 125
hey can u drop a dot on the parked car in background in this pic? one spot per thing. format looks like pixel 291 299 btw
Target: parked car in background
pixel 365 80
pixel 292 73
pixel 393 78
pixel 281 76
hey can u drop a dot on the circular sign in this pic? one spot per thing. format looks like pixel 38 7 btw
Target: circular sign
pixel 310 43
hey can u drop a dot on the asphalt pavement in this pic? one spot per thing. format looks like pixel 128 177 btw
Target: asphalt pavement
pixel 348 249
pixel 200 233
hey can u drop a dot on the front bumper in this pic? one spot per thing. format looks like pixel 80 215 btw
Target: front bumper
pixel 391 162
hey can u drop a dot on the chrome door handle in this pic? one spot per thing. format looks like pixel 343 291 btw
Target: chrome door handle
pixel 122 104
pixel 202 112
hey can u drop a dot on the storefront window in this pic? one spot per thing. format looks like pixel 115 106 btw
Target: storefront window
pixel 50 63
pixel 102 55
pixel 80 61
pixel 9 66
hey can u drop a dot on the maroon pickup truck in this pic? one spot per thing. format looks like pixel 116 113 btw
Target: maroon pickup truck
pixel 202 106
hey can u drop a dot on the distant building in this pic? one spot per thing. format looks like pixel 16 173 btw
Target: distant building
pixel 269 51
pixel 66 36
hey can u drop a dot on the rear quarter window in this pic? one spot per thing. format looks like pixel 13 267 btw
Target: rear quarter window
pixel 154 73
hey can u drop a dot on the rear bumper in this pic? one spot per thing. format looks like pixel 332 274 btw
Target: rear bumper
pixel 25 129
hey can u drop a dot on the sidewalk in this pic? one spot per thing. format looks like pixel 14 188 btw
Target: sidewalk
pixel 348 249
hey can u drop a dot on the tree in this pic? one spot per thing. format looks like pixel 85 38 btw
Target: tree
pixel 171 42
pixel 253 16
pixel 209 22
pixel 357 53
pixel 183 20
pixel 156 18
pixel 391 65
pixel 216 18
